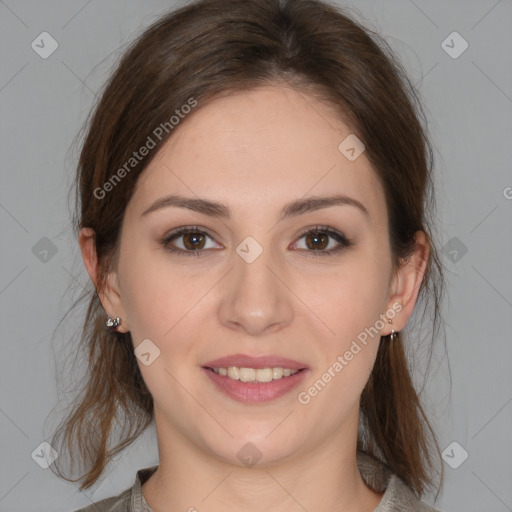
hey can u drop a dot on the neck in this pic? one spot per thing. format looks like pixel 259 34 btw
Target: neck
pixel 324 479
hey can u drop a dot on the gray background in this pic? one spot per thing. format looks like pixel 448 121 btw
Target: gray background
pixel 469 105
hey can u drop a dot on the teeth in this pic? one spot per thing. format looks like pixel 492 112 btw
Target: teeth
pixel 234 373
pixel 277 373
pixel 254 374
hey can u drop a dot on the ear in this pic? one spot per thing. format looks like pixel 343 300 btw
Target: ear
pixel 110 295
pixel 406 282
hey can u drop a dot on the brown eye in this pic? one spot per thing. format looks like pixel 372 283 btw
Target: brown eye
pixel 317 240
pixel 189 241
pixel 193 241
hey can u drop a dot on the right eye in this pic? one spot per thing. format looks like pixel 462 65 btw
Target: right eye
pixel 193 241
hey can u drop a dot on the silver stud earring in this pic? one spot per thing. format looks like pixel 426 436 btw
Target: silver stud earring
pixel 112 323
pixel 393 334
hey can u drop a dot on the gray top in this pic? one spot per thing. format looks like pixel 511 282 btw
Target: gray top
pixel 398 497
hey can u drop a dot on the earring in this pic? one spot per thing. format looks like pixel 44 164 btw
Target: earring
pixel 394 335
pixel 112 323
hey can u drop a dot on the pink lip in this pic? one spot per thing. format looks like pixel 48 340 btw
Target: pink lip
pixel 245 361
pixel 254 392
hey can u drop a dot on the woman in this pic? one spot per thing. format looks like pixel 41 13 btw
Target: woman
pixel 252 202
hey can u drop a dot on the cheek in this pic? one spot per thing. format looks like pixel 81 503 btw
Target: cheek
pixel 350 302
pixel 348 299
pixel 154 292
pixel 346 358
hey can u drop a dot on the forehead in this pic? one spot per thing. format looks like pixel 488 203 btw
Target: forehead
pixel 260 148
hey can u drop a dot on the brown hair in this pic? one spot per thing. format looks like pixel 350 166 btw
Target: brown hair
pixel 213 47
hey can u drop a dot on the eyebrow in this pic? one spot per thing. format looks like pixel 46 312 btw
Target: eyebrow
pixel 292 209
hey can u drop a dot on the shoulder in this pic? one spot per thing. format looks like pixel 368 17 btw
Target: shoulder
pixel 397 496
pixel 120 503
pixel 130 500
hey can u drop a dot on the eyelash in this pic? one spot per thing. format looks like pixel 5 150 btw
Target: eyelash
pixel 343 241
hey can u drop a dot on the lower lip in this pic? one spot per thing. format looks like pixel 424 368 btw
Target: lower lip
pixel 255 392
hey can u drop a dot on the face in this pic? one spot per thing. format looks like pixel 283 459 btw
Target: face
pixel 259 280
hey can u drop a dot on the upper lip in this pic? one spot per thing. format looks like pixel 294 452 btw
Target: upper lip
pixel 246 361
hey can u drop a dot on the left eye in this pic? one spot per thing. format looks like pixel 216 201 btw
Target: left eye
pixel 317 241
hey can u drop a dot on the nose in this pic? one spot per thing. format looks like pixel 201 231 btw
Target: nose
pixel 255 299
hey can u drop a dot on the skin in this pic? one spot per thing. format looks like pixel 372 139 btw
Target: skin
pixel 254 152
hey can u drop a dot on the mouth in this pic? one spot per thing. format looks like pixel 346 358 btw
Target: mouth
pixel 255 374
pixel 252 379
